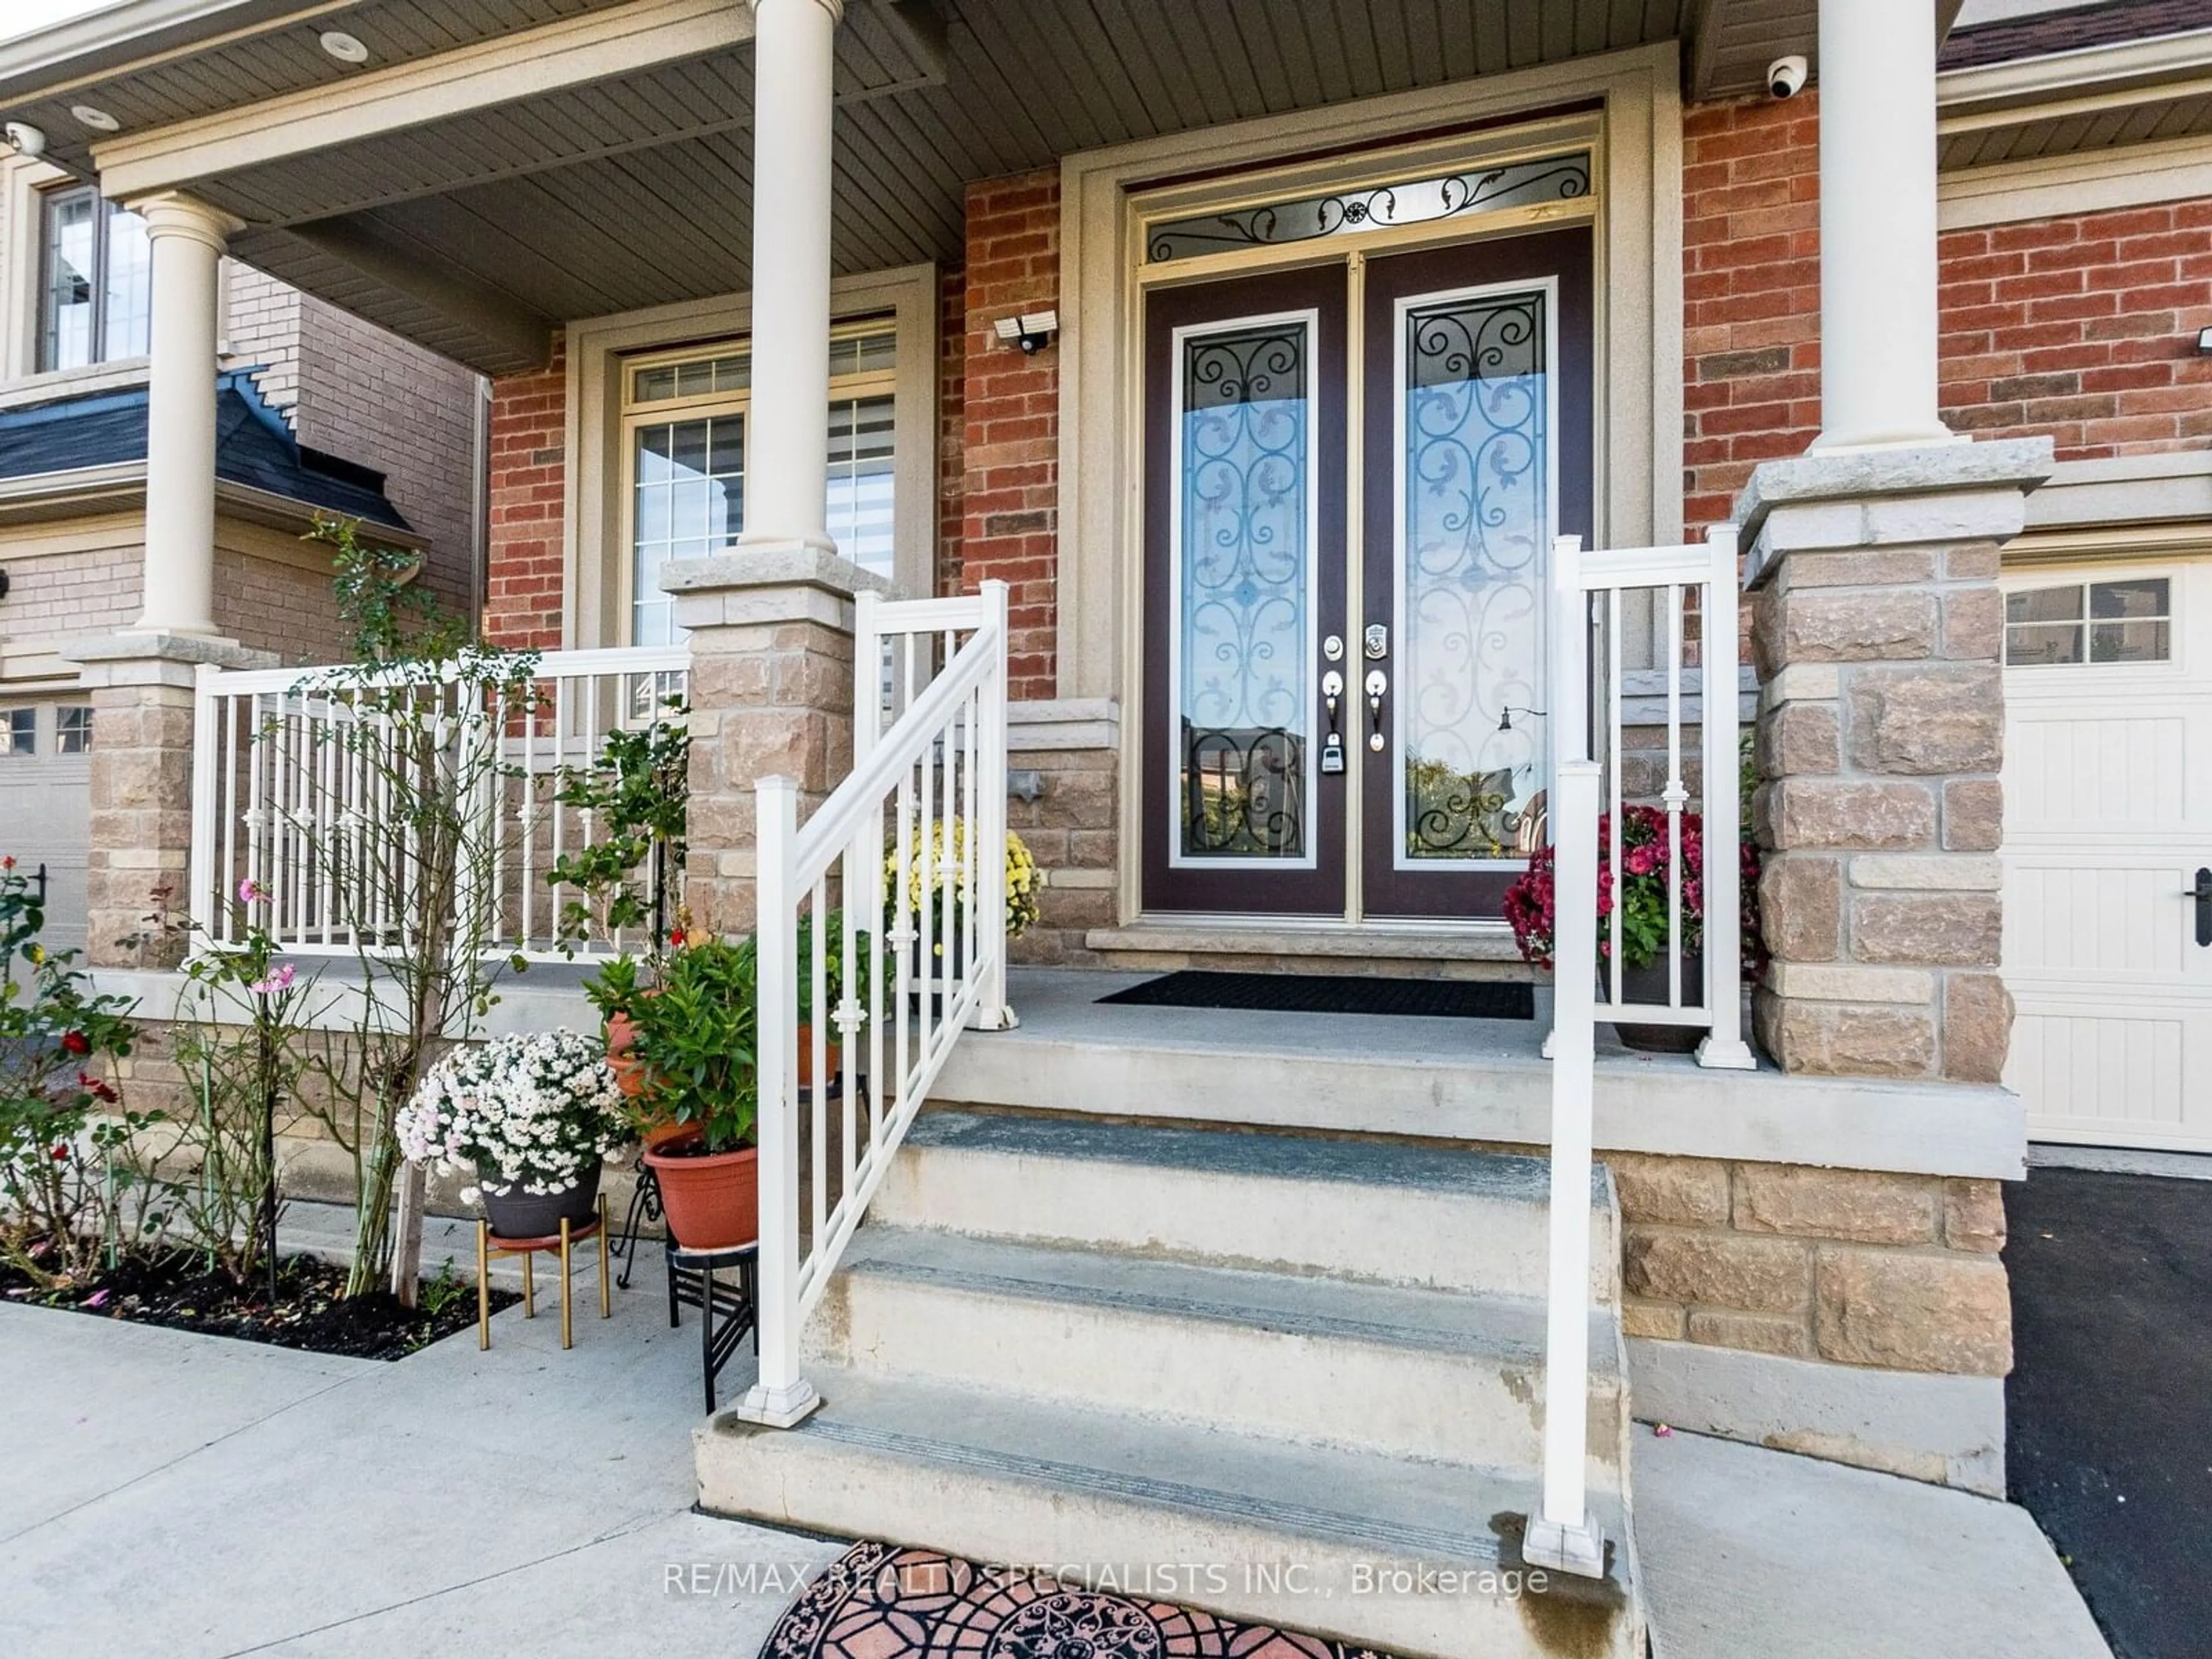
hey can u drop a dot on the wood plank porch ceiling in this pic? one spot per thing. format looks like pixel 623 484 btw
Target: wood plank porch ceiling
pixel 476 234
pixel 636 191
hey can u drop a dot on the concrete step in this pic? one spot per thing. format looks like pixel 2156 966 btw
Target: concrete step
pixel 1441 1375
pixel 1347 1545
pixel 1444 1218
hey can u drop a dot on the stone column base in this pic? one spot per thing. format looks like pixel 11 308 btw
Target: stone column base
pixel 771 694
pixel 139 858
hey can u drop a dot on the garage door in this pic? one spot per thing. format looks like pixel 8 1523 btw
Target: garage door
pixel 46 805
pixel 2108 820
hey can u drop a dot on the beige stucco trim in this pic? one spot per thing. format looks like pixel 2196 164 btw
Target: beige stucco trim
pixel 1639 279
pixel 599 46
pixel 593 555
pixel 2047 186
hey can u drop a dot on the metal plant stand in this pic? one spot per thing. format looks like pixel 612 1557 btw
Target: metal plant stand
pixel 728 1313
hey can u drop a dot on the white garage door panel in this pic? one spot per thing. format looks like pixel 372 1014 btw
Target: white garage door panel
pixel 46 819
pixel 2108 816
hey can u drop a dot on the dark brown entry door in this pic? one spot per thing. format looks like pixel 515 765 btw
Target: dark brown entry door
pixel 1273 706
pixel 1478 438
pixel 1244 579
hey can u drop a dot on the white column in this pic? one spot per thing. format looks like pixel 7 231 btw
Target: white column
pixel 187 241
pixel 787 470
pixel 1878 325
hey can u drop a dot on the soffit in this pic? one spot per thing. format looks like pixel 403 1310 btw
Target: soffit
pixel 253 51
pixel 2124 90
pixel 636 189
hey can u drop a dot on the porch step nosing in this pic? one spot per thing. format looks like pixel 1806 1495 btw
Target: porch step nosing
pixel 1272 1515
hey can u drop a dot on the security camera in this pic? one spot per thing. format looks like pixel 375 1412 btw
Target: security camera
pixel 24 139
pixel 1785 76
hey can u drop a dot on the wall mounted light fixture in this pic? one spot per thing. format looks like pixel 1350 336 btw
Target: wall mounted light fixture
pixel 1032 330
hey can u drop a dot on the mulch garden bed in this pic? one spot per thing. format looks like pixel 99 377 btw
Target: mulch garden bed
pixel 175 1289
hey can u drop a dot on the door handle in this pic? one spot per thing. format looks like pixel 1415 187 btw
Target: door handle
pixel 1378 683
pixel 2202 894
pixel 1332 751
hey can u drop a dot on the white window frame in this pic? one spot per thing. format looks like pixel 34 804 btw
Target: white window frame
pixel 602 350
pixel 2032 579
pixel 639 413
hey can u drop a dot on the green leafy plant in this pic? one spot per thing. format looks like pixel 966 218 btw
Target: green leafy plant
pixel 638 793
pixel 71 1194
pixel 696 1043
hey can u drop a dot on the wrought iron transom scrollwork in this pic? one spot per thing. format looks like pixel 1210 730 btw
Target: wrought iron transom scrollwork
pixel 1244 575
pixel 1243 794
pixel 1478 518
pixel 1406 202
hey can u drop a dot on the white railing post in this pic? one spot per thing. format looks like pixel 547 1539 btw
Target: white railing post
pixel 1722 1048
pixel 991 1013
pixel 1568 687
pixel 1563 1535
pixel 782 1397
pixel 204 906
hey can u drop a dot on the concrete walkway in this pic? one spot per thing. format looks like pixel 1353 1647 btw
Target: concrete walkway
pixel 184 1496
pixel 1749 1553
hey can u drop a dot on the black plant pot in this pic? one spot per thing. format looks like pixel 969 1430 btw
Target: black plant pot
pixel 1649 984
pixel 539 1215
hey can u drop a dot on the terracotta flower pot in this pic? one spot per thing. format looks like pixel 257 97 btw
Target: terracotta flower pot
pixel 629 1072
pixel 712 1200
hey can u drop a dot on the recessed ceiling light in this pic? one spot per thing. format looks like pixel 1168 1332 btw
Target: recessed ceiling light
pixel 346 48
pixel 98 119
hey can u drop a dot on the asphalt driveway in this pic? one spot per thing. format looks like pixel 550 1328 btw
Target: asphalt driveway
pixel 2109 1401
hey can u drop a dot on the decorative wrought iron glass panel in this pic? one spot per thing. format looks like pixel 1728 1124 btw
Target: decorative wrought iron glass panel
pixel 1464 194
pixel 1475 500
pixel 1244 576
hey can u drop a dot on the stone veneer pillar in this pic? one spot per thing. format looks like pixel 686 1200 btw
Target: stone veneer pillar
pixel 1879 635
pixel 140 847
pixel 771 692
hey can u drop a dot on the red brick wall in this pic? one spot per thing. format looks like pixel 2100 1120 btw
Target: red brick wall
pixel 1010 418
pixel 522 602
pixel 951 425
pixel 1751 294
pixel 2083 328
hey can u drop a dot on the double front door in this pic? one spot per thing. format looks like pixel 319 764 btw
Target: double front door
pixel 1353 472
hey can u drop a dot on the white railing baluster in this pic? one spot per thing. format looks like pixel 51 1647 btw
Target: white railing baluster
pixel 1676 795
pixel 294 788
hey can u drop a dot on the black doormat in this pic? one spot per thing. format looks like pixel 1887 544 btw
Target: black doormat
pixel 1335 993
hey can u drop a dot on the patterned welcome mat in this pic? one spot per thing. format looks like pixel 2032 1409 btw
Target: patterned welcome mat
pixel 879 1601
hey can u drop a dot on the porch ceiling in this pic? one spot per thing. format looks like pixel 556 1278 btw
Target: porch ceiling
pixel 609 168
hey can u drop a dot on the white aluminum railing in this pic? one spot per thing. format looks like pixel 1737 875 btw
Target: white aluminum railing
pixel 906 858
pixel 1591 606
pixel 299 781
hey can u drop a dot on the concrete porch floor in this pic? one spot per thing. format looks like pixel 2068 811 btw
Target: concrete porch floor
pixel 1448 1079
pixel 193 1495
